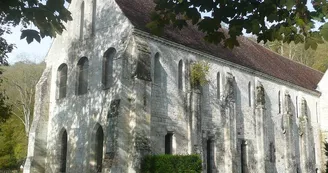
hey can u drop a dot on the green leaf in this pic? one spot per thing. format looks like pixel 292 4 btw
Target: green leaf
pixel 324 31
pixel 310 42
pixel 290 4
pixel 298 38
pixel 255 26
pixel 154 28
pixel 231 43
pixel 30 35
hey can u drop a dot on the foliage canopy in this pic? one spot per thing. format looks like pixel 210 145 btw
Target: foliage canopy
pixel 269 20
pixel 13 146
pixel 47 15
pixel 5 109
pixel 316 59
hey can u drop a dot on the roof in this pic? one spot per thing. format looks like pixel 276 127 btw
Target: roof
pixel 248 54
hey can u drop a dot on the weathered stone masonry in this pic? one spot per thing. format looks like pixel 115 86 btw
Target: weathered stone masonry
pixel 137 99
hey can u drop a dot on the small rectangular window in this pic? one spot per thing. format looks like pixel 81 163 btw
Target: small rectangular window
pixel 168 143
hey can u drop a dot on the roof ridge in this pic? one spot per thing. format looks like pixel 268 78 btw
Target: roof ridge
pixel 249 54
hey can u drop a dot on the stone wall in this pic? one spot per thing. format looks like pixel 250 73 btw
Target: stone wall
pixel 243 126
pixel 194 116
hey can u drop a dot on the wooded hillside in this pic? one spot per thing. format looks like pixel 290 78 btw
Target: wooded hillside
pixel 18 87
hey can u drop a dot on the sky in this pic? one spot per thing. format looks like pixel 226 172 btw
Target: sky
pixel 35 51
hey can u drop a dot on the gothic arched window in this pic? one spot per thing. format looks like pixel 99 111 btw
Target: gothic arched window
pixel 108 59
pixel 94 14
pixel 157 69
pixel 296 105
pixel 180 75
pixel 169 143
pixel 63 152
pixel 82 76
pixel 218 85
pixel 81 20
pixel 99 148
pixel 249 94
pixel 279 102
pixel 62 80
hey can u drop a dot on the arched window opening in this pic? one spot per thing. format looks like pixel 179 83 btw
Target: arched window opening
pixel 210 155
pixel 169 143
pixel 63 152
pixel 157 69
pixel 243 156
pixel 99 148
pixel 218 85
pixel 82 76
pixel 94 14
pixel 304 110
pixel 296 105
pixel 180 75
pixel 62 80
pixel 249 94
pixel 279 102
pixel 108 60
pixel 82 20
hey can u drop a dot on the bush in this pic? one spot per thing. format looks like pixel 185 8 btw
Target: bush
pixel 326 153
pixel 199 73
pixel 171 164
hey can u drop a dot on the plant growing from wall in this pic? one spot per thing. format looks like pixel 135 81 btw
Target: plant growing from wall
pixel 199 72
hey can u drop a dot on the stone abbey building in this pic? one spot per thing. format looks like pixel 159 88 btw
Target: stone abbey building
pixel 112 93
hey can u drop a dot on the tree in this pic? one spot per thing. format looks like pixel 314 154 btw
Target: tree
pixel 13 146
pixel 5 109
pixel 317 59
pixel 321 58
pixel 269 20
pixel 19 82
pixel 293 51
pixel 48 16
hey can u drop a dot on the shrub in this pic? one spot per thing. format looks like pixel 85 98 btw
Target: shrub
pixel 199 72
pixel 326 153
pixel 171 164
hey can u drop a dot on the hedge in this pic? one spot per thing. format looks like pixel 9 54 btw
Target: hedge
pixel 171 164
